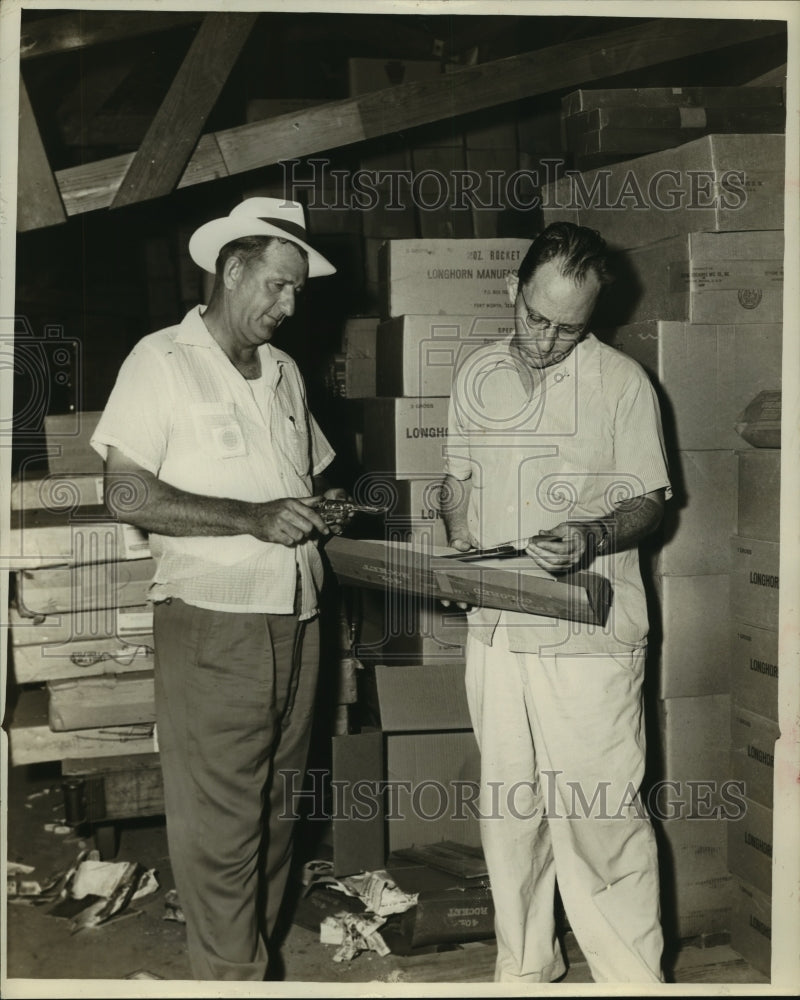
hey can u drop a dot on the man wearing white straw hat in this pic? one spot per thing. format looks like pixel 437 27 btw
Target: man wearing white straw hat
pixel 209 446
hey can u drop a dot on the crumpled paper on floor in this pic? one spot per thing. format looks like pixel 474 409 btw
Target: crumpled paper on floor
pixel 357 932
pixel 377 890
pixel 354 933
pixel 94 891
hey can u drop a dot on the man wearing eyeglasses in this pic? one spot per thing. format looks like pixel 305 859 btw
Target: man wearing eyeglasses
pixel 555 443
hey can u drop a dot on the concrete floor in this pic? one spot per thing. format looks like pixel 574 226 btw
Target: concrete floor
pixel 41 948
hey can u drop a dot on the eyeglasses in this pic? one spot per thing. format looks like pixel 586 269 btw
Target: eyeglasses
pixel 538 324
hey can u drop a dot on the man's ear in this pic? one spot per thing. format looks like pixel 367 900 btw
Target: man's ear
pixel 232 271
pixel 512 284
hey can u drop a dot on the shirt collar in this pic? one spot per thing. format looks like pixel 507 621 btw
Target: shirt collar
pixel 585 349
pixel 194 332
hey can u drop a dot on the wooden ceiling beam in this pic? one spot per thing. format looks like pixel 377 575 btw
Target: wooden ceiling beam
pixel 38 198
pixel 81 29
pixel 165 150
pixel 341 123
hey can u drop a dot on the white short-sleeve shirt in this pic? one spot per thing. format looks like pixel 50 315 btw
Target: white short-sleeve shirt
pixel 587 437
pixel 183 412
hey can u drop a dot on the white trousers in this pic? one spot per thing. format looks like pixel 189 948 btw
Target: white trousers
pixel 562 758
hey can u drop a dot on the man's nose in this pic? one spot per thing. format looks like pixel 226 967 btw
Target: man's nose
pixel 548 337
pixel 287 300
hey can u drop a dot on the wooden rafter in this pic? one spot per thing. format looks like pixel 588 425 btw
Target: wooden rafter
pixel 38 198
pixel 170 140
pixel 69 32
pixel 340 123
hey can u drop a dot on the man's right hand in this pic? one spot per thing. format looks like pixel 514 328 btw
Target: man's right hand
pixel 288 521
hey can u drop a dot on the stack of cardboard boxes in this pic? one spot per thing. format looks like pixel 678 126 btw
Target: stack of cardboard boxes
pixel 440 299
pixel 81 631
pixel 754 689
pixel 701 291
pixel 600 127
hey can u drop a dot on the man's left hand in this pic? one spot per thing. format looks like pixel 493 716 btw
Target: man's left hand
pixel 561 548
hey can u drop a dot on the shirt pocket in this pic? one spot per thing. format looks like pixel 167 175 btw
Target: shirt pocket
pixel 217 431
pixel 295 441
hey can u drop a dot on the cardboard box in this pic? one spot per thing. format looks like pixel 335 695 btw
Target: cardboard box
pixel 397 627
pixel 447 910
pixel 750 846
pixel 357 820
pixel 416 514
pixel 358 338
pixel 624 143
pixel 436 775
pixel 706 375
pixel 68 448
pixel 32 741
pixel 89 658
pixel 441 703
pixel 43 592
pixel 693 539
pixel 755 581
pixel 55 538
pixel 54 492
pixel 507 583
pixel 108 700
pixel 759 423
pixel 719 183
pixel 694 657
pixel 751 926
pixel 677 97
pixel 710 278
pixel 93 624
pixel 692 850
pixel 759 494
pixel 694 741
pixel 726 118
pixel 754 669
pixel 405 438
pixel 417 355
pixel 700 907
pixel 448 277
pixel 753 753
pixel 408 784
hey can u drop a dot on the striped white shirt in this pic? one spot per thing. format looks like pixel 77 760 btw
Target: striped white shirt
pixel 182 411
pixel 587 437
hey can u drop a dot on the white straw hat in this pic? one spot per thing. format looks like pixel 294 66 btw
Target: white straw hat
pixel 256 217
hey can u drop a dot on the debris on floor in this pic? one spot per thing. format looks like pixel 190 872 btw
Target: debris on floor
pixel 93 891
pixel 173 908
pixel 30 892
pixel 377 897
pixel 354 933
pixel 377 891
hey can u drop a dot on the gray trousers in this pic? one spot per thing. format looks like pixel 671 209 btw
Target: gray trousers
pixel 234 705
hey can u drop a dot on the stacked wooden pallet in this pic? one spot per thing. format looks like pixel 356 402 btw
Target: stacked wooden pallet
pixel 81 630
